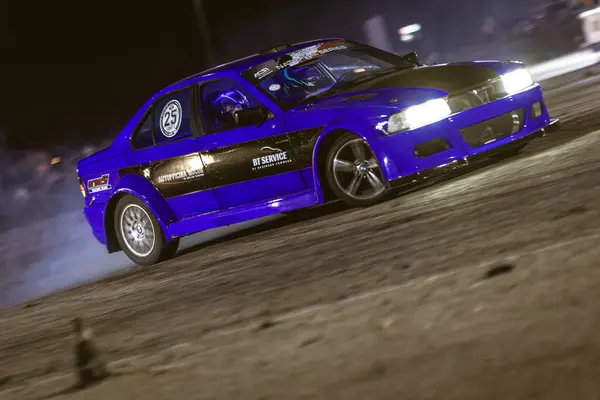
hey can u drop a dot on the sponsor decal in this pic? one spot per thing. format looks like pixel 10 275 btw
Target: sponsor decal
pixel 170 118
pixel 262 73
pixel 275 158
pixel 274 87
pixel 309 53
pixel 267 69
pixel 181 176
pixel 99 184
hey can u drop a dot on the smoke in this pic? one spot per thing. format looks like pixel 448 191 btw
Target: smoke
pixel 46 244
pixel 52 254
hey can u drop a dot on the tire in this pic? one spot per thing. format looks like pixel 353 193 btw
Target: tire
pixel 143 250
pixel 353 172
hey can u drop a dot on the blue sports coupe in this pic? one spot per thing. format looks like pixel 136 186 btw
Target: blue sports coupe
pixel 297 126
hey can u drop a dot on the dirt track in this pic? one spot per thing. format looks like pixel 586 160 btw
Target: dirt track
pixel 385 302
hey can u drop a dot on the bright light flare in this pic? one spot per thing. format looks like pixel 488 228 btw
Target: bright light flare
pixel 409 29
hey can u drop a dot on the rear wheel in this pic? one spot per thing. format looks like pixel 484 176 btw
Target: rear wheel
pixel 139 233
pixel 353 172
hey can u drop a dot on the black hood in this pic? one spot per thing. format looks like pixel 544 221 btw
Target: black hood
pixel 449 78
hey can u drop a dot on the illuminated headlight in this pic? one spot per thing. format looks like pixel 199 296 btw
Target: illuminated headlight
pixel 422 114
pixel 516 80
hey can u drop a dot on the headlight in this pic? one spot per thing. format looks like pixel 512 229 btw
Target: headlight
pixel 516 80
pixel 422 114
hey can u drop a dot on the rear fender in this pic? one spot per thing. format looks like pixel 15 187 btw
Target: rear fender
pixel 145 191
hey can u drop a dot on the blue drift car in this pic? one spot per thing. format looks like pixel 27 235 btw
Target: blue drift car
pixel 297 126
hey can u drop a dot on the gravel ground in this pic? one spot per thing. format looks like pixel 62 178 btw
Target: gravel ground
pixel 393 301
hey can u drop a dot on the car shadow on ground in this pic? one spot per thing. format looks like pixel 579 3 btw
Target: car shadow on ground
pixel 287 219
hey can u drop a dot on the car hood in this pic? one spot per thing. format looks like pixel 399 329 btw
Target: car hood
pixel 404 88
pixel 448 77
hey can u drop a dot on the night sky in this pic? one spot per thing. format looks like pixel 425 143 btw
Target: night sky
pixel 79 69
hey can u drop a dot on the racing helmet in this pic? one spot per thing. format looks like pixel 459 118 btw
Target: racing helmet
pixel 224 104
pixel 308 76
pixel 305 80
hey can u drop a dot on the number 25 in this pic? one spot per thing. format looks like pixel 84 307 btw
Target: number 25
pixel 170 118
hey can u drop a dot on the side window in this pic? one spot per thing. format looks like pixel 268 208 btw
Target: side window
pixel 172 117
pixel 219 100
pixel 142 137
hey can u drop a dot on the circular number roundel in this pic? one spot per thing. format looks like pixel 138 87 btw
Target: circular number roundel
pixel 170 119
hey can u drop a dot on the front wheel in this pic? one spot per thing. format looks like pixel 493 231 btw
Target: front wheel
pixel 353 172
pixel 140 235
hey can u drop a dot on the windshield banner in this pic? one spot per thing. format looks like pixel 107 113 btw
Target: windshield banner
pixel 263 71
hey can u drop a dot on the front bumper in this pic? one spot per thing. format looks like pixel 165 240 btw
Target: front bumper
pixel 462 136
pixel 442 171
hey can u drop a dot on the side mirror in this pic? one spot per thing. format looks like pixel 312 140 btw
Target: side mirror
pixel 412 58
pixel 251 116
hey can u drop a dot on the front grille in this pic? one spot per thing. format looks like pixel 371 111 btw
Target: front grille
pixel 493 129
pixel 476 96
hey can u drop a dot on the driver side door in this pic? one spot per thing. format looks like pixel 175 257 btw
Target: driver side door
pixel 247 163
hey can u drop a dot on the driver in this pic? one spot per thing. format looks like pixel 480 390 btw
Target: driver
pixel 223 105
pixel 306 80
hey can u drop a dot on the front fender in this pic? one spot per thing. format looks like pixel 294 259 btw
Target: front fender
pixel 362 127
pixel 145 191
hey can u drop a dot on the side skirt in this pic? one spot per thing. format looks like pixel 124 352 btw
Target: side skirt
pixel 190 226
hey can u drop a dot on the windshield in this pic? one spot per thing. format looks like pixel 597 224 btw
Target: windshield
pixel 320 70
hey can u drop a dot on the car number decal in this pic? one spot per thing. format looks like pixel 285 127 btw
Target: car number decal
pixel 170 118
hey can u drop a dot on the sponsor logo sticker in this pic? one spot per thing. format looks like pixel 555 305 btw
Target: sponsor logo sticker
pixel 262 73
pixel 179 176
pixel 310 53
pixel 274 158
pixel 99 184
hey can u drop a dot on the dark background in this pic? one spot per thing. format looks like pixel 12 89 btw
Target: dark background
pixel 75 71
pixel 71 70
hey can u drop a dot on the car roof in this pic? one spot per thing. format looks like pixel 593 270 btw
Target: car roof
pixel 243 64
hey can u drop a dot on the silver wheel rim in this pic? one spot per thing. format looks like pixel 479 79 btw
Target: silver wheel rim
pixel 137 230
pixel 357 172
